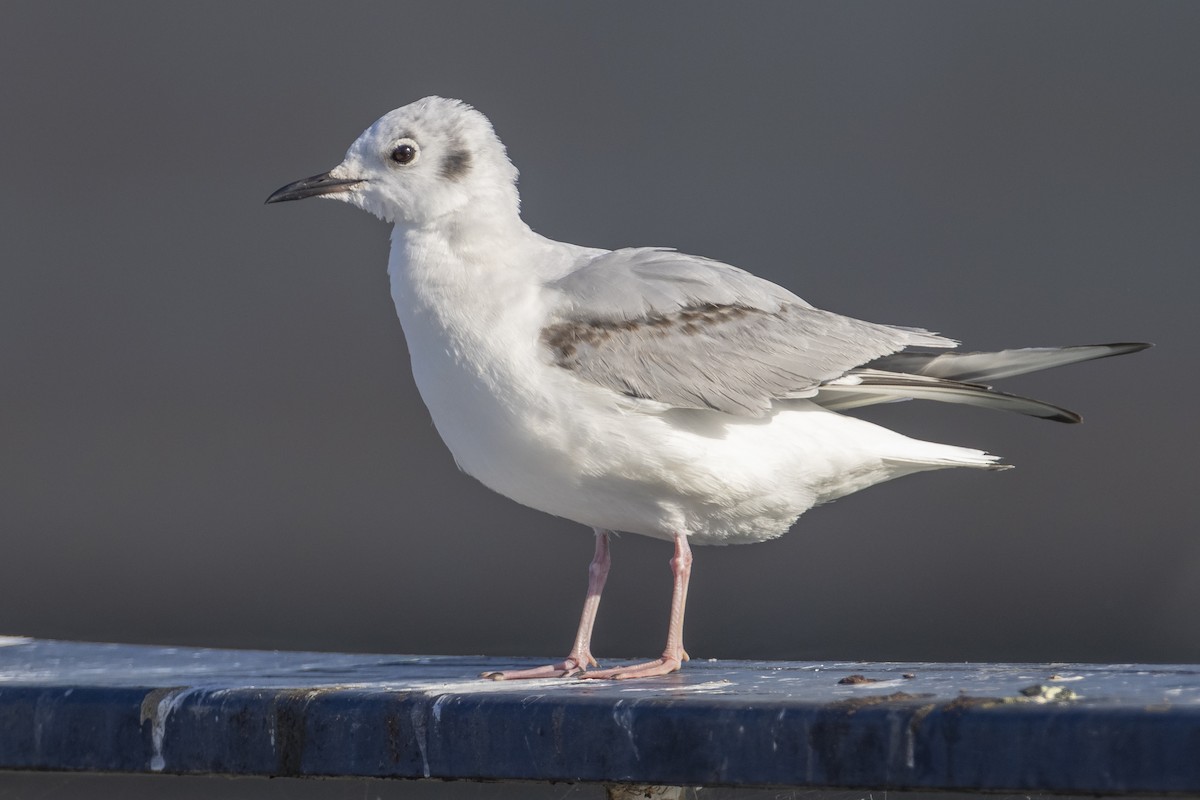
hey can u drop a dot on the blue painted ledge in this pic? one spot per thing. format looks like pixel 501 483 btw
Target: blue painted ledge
pixel 1072 728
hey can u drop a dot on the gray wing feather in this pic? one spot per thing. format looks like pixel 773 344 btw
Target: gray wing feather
pixel 868 386
pixel 695 333
pixel 1000 364
pixel 965 367
pixel 636 282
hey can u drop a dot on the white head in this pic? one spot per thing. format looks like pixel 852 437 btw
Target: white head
pixel 418 164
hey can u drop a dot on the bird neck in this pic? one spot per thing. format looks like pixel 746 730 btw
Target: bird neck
pixel 464 274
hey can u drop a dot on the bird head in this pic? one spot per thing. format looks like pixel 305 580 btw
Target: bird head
pixel 419 164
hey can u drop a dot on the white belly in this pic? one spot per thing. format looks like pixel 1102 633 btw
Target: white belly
pixel 544 438
pixel 549 441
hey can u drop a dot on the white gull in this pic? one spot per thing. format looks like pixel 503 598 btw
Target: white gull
pixel 639 390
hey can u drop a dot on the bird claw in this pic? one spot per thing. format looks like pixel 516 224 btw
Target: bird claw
pixel 571 667
pixel 648 669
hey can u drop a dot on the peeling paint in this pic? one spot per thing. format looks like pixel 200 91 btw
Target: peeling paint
pixel 622 715
pixel 436 708
pixel 157 707
pixel 724 686
pixel 417 715
pixel 628 791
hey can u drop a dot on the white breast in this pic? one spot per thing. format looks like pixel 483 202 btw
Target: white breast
pixel 544 438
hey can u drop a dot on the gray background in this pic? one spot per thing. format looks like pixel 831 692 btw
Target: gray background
pixel 209 432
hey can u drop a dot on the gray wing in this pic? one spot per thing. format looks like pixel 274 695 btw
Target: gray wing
pixel 695 333
pixel 955 378
pixel 1002 363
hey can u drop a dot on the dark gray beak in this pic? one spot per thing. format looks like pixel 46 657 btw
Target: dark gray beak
pixel 315 186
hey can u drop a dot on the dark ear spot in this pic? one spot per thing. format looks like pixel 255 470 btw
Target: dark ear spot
pixel 456 164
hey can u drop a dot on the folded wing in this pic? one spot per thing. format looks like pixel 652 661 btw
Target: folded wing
pixel 690 332
pixel 956 378
pixel 695 333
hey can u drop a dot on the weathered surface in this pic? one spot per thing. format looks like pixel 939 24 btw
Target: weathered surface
pixel 1046 728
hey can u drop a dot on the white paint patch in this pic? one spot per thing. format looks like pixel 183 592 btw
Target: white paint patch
pixel 417 715
pixel 165 707
pixel 623 716
pixel 709 687
pixel 435 689
pixel 890 683
pixel 436 708
pixel 626 791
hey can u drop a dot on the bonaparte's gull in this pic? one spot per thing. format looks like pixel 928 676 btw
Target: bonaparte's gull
pixel 642 389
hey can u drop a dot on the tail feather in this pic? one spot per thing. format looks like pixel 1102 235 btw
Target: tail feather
pixel 923 456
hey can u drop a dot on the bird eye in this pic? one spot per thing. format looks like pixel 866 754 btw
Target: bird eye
pixel 404 152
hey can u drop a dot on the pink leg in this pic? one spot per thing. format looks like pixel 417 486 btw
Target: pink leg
pixel 581 654
pixel 674 655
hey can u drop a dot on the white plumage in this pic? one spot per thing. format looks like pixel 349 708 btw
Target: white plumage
pixel 638 390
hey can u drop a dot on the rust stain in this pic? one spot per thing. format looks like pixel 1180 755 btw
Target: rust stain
pixel 149 708
pixel 856 679
pixel 855 703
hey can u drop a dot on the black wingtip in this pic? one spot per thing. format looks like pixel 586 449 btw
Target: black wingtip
pixel 1122 348
pixel 1114 349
